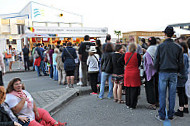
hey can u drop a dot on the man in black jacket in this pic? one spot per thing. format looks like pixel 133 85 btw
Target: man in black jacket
pixel 83 55
pixel 26 52
pixel 169 62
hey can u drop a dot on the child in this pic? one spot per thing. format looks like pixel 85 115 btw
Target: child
pixel 182 79
pixel 93 69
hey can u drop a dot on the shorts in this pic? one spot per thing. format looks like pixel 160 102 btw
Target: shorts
pixel 118 79
pixel 70 73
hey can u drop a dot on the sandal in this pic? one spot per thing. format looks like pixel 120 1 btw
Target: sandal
pixel 153 107
pixel 115 100
pixel 121 102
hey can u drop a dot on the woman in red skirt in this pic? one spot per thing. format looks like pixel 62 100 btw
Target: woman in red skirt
pixel 132 79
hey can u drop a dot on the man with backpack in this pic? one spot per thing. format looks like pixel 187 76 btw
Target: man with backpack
pixel 83 55
pixel 39 63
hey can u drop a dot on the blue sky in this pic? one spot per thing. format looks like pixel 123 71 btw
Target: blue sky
pixel 124 15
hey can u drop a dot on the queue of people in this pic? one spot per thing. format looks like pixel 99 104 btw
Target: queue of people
pixel 165 65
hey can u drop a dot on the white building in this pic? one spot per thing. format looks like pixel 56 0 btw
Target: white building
pixel 37 23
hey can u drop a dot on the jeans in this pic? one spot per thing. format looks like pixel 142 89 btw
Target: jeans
pixel 104 77
pixel 51 71
pixel 55 73
pixel 167 80
pixel 41 67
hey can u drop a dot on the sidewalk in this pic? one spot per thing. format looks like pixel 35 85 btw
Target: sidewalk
pixel 53 100
pixel 15 67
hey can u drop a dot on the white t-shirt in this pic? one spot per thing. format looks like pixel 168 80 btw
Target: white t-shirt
pixel 93 63
pixel 12 101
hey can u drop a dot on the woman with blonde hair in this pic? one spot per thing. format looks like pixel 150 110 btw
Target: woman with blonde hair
pixel 22 104
pixel 132 79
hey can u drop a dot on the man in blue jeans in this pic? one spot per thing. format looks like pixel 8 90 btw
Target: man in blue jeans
pixel 168 62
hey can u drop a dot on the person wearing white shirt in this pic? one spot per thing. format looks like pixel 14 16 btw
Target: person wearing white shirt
pixel 93 68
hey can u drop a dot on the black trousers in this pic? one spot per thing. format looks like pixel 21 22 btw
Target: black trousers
pixel 131 96
pixel 151 88
pixel 183 99
pixel 93 79
pixel 1 79
pixel 26 63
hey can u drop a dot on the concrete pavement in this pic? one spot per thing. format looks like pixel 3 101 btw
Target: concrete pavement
pixel 53 100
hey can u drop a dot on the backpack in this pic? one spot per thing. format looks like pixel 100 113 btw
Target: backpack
pixel 36 55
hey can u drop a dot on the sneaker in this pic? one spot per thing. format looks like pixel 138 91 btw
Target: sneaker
pixel 67 86
pixel 79 83
pixel 93 93
pixel 185 110
pixel 99 98
pixel 179 113
pixel 172 118
pixel 128 107
pixel 159 118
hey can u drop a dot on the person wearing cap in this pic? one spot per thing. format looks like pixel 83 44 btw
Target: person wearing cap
pixel 93 68
pixel 2 69
pixel 151 84
pixel 169 62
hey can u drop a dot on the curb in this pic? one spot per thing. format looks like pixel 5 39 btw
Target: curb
pixel 56 106
pixel 19 71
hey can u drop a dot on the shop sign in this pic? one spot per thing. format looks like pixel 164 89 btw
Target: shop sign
pixel 52 31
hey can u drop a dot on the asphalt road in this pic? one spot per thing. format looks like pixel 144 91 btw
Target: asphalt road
pixel 90 111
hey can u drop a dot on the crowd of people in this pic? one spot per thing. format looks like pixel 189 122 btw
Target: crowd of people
pixel 165 65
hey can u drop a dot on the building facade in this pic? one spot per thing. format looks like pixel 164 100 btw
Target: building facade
pixel 38 23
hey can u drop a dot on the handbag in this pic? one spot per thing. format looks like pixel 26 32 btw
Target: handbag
pixel 76 60
pixel 8 56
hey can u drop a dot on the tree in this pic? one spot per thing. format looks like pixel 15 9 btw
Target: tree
pixel 117 33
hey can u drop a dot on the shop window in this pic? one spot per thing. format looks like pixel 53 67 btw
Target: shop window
pixel 11 42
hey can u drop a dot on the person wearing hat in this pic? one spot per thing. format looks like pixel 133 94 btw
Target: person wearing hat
pixel 93 68
pixel 151 84
pixel 168 62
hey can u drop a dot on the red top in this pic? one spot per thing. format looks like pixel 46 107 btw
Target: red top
pixel 132 73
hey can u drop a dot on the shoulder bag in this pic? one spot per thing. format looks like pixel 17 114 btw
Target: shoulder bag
pixel 76 60
pixel 129 59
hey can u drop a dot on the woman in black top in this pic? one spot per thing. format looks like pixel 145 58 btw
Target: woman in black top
pixel 118 71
